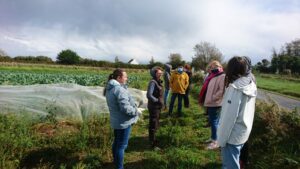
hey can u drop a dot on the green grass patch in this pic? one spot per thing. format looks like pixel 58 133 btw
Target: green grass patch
pixel 284 86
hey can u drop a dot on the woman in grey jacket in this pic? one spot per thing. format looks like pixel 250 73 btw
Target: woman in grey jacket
pixel 237 112
pixel 123 113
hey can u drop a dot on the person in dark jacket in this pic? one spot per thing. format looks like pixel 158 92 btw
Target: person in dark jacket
pixel 167 76
pixel 155 103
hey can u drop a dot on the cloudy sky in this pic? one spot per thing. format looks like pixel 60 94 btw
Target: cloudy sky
pixel 103 29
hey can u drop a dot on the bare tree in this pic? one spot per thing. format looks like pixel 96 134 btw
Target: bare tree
pixel 204 53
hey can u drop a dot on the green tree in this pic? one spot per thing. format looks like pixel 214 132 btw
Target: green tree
pixel 288 58
pixel 175 59
pixel 204 53
pixel 68 57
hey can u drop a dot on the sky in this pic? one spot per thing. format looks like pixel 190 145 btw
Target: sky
pixel 142 29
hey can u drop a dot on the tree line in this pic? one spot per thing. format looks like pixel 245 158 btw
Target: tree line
pixel 286 61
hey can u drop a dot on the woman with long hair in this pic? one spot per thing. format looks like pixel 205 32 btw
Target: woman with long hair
pixel 237 112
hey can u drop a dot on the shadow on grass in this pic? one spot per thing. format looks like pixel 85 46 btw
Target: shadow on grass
pixel 157 164
pixel 144 164
pixel 54 157
pixel 212 166
pixel 138 144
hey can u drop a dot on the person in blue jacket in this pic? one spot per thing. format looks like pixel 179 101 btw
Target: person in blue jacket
pixel 123 113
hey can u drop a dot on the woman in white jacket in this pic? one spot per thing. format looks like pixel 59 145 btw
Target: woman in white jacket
pixel 237 112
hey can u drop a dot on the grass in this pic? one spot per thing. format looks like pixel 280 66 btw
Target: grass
pixel 49 143
pixel 279 85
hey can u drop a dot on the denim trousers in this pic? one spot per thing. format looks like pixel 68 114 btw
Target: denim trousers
pixel 166 94
pixel 179 107
pixel 231 156
pixel 121 137
pixel 213 115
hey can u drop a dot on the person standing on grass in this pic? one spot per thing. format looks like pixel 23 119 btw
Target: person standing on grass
pixel 211 96
pixel 179 82
pixel 237 112
pixel 155 103
pixel 123 113
pixel 245 150
pixel 167 75
pixel 188 71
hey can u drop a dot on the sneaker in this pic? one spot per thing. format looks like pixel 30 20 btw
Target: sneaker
pixel 213 145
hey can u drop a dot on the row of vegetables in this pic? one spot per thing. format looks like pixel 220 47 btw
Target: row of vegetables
pixel 84 79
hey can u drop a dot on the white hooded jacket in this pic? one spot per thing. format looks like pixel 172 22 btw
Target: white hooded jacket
pixel 237 112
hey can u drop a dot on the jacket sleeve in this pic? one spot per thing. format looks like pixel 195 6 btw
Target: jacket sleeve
pixel 171 81
pixel 186 81
pixel 124 102
pixel 220 89
pixel 150 92
pixel 229 114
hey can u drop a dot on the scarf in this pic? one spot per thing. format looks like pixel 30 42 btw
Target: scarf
pixel 202 94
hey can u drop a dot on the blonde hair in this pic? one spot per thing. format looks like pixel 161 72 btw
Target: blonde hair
pixel 214 64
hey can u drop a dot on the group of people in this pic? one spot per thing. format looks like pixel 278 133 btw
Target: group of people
pixel 228 97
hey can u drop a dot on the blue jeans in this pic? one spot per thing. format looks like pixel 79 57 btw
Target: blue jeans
pixel 119 145
pixel 166 96
pixel 231 156
pixel 179 107
pixel 213 115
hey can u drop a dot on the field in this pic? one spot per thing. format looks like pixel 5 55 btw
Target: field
pixel 50 143
pixel 26 74
pixel 279 84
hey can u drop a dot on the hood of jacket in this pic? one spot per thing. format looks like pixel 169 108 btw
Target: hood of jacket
pixel 152 72
pixel 246 85
pixel 113 83
pixel 168 68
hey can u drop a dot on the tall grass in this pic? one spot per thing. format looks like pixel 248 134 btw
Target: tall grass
pixel 49 143
pixel 275 138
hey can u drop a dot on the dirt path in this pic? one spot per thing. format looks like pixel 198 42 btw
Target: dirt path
pixel 282 101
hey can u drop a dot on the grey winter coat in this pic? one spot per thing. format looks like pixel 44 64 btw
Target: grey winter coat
pixel 122 108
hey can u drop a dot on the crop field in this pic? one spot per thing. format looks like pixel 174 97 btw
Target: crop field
pixel 27 75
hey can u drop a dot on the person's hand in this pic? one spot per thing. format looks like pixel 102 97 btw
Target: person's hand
pixel 140 113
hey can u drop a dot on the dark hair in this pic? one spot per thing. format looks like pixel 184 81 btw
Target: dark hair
pixel 236 68
pixel 116 73
pixel 187 66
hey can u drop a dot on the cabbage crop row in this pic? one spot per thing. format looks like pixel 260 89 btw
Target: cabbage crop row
pixel 30 78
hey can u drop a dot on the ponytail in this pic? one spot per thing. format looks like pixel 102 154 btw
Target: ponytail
pixel 116 73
